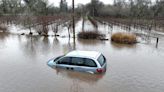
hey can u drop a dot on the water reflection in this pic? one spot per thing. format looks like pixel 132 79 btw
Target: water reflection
pixel 3 37
pixel 90 42
pixel 35 45
pixel 28 45
pixel 75 86
pixel 69 45
pixel 80 76
pixel 56 43
pixel 45 45
pixel 122 46
pixel 134 68
pixel 77 78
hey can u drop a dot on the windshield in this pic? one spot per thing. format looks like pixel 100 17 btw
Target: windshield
pixel 58 58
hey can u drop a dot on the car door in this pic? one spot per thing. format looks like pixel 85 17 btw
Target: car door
pixel 77 63
pixel 89 65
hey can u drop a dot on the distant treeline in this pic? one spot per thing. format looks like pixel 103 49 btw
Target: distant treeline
pixel 27 7
pixel 124 9
pixel 119 8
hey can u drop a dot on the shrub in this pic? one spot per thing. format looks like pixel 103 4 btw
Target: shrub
pixel 89 35
pixel 124 38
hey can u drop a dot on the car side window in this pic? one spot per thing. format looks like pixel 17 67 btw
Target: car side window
pixel 101 60
pixel 77 61
pixel 90 63
pixel 65 60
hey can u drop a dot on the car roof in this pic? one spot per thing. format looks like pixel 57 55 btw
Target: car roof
pixel 83 54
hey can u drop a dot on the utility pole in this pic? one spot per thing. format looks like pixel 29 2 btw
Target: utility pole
pixel 73 24
pixel 73 18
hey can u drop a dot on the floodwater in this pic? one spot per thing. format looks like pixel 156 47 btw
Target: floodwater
pixel 130 68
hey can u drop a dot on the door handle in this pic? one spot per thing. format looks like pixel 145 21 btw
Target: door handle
pixel 69 68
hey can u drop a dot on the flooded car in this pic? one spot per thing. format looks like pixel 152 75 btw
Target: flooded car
pixel 83 61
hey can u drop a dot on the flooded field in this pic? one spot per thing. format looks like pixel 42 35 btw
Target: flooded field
pixel 23 68
pixel 131 68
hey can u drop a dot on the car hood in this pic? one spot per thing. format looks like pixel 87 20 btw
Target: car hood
pixel 51 62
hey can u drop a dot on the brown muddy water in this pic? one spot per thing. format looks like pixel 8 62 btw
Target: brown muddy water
pixel 23 68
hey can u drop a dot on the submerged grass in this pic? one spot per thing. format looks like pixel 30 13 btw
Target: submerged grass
pixel 126 38
pixel 89 35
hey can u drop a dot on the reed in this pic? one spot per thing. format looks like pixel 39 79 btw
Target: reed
pixel 89 35
pixel 126 38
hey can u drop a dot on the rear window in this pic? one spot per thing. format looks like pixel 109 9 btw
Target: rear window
pixel 101 60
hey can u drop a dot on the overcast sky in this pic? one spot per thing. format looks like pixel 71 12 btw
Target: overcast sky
pixel 56 2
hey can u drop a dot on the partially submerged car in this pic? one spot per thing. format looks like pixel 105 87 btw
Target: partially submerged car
pixel 83 61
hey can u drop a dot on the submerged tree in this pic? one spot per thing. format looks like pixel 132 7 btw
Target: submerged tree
pixel 94 7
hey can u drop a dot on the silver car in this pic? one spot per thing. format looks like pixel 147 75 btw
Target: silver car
pixel 83 61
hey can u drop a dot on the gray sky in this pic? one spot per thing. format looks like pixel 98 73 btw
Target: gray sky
pixel 56 2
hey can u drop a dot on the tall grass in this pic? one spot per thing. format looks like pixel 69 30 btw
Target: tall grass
pixel 89 35
pixel 126 38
